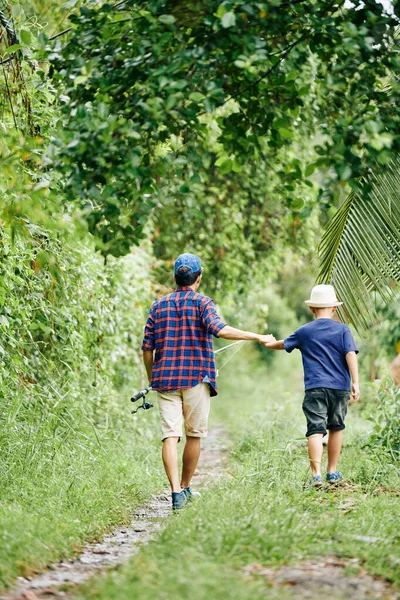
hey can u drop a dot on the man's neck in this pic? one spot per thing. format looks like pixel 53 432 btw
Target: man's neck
pixel 193 287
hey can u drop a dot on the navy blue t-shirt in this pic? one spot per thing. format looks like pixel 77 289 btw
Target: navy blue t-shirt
pixel 323 344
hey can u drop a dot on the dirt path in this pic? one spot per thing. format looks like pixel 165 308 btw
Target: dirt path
pixel 123 542
pixel 326 577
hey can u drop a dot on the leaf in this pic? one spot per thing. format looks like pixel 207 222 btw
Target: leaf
pixel 221 10
pixel 309 170
pixel 13 48
pixel 298 204
pixel 303 90
pixel 228 20
pixel 280 122
pixel 360 249
pixel 167 19
pixel 236 167
pixel 226 166
pixel 196 96
pixel 25 36
pixel 285 133
pixel 4 321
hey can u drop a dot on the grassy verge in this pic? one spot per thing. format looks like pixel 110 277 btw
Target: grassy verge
pixel 263 514
pixel 74 491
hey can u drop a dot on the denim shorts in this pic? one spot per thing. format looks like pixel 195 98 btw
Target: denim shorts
pixel 325 409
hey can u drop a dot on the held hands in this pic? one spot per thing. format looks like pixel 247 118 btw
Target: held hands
pixel 266 339
pixel 355 392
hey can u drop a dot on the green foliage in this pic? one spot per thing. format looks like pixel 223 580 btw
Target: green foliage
pixel 360 249
pixel 138 84
pixel 70 332
pixel 385 414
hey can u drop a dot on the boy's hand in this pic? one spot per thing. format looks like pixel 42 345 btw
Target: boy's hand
pixel 355 392
pixel 265 339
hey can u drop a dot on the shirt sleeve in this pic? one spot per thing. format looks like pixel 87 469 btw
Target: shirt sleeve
pixel 210 319
pixel 149 338
pixel 292 342
pixel 349 344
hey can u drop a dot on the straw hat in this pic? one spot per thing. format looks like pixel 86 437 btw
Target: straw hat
pixel 323 296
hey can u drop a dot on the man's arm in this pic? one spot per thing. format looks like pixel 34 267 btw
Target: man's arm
pixel 148 360
pixel 351 359
pixel 275 345
pixel 231 333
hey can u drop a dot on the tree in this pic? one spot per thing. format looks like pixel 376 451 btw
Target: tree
pixel 136 78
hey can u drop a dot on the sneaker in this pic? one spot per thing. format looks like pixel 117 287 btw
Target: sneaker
pixel 316 481
pixel 334 477
pixel 179 500
pixel 191 495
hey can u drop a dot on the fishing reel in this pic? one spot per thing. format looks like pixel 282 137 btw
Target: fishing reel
pixel 145 405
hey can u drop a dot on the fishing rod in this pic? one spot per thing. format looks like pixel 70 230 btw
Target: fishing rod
pixel 147 405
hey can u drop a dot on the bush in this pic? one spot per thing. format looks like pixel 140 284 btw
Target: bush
pixel 385 415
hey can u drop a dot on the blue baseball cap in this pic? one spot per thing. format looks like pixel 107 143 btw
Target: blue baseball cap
pixel 188 260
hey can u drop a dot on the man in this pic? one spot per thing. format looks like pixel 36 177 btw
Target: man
pixel 179 329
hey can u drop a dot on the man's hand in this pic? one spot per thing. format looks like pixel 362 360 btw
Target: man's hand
pixel 266 339
pixel 355 392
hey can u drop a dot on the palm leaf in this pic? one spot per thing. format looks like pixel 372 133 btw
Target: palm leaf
pixel 360 249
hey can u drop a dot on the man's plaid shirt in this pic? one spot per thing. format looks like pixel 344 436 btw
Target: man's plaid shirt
pixel 179 328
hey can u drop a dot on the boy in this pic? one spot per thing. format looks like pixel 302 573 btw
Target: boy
pixel 329 359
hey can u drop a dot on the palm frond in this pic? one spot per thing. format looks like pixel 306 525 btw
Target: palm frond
pixel 360 249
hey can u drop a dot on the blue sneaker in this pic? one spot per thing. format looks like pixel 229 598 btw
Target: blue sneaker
pixel 191 495
pixel 179 500
pixel 334 477
pixel 316 481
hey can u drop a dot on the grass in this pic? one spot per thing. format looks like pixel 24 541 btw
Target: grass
pixel 263 514
pixel 65 494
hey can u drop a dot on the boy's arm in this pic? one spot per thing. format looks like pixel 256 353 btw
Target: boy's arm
pixel 351 359
pixel 276 345
pixel 148 362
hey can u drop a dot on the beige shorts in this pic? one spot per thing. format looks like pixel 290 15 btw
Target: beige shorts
pixel 191 406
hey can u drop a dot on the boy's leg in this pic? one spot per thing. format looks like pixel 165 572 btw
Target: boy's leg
pixel 170 460
pixel 315 408
pixel 338 402
pixel 334 448
pixel 315 452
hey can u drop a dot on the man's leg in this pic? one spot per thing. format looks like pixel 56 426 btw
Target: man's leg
pixel 191 455
pixel 170 459
pixel 171 416
pixel 334 449
pixel 196 408
pixel 315 452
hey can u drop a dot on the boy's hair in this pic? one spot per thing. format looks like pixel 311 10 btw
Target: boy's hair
pixel 184 277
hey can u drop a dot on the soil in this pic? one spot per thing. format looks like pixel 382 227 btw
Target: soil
pixel 332 577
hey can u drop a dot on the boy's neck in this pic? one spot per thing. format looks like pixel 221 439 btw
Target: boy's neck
pixel 323 313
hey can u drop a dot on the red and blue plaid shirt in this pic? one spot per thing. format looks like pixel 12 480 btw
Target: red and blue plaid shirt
pixel 179 328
